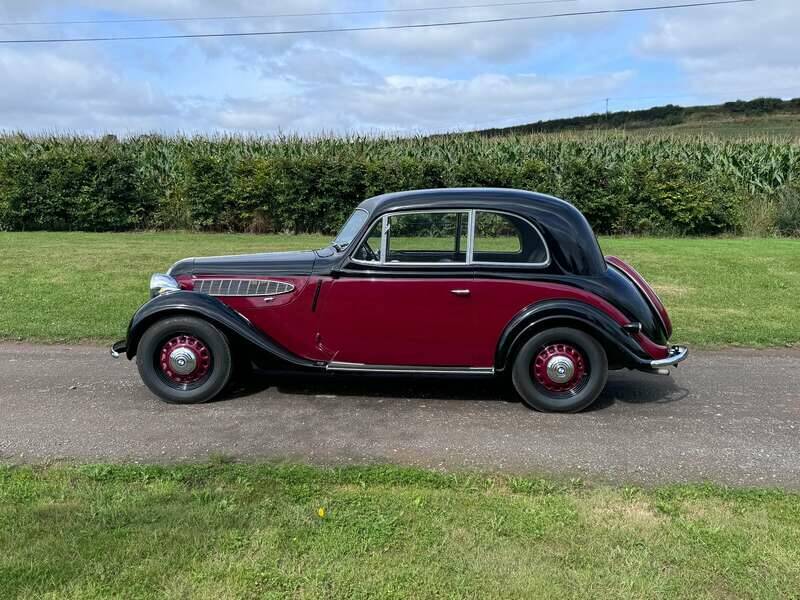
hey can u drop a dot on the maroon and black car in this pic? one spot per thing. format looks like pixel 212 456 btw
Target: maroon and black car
pixel 451 281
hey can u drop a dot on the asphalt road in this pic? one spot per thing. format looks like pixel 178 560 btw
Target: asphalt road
pixel 731 417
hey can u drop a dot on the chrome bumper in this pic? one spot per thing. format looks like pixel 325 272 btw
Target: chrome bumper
pixel 676 355
pixel 118 348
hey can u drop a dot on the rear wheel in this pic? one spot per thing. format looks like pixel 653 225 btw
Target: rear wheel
pixel 560 370
pixel 184 360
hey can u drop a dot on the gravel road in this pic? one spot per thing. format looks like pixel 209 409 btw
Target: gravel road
pixel 729 416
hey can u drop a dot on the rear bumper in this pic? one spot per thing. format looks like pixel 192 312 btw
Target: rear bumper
pixel 676 355
pixel 118 348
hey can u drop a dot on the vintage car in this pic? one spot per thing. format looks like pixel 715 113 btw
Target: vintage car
pixel 477 282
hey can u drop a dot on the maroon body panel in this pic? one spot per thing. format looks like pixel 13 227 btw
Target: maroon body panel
pixel 286 318
pixel 497 301
pixel 391 321
pixel 403 321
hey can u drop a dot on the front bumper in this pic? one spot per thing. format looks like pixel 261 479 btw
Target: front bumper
pixel 676 355
pixel 118 348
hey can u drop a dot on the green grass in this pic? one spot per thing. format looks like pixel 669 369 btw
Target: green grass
pixel 84 286
pixel 773 126
pixel 254 531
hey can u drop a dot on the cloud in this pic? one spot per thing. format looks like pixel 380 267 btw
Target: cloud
pixel 420 80
pixel 407 104
pixel 749 49
pixel 46 90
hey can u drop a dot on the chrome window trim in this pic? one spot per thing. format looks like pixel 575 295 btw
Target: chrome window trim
pixel 470 241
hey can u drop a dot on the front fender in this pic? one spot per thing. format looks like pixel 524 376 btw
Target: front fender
pixel 211 309
pixel 566 313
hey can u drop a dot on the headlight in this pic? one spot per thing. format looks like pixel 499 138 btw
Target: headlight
pixel 160 284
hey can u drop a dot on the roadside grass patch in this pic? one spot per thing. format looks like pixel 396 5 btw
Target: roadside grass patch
pixel 256 530
pixel 66 287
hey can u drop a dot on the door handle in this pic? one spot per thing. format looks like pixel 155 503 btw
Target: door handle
pixel 460 292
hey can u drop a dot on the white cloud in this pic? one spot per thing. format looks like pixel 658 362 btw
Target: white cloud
pixel 402 80
pixel 751 49
pixel 47 89
pixel 408 104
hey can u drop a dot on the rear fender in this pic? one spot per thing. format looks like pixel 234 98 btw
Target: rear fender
pixel 621 347
pixel 185 303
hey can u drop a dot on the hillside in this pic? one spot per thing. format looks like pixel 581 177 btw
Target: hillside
pixel 762 116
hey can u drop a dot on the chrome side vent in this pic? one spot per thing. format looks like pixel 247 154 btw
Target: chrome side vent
pixel 242 287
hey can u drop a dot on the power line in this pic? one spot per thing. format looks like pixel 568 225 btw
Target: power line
pixel 372 27
pixel 283 15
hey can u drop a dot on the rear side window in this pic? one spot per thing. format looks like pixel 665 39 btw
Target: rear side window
pixel 503 238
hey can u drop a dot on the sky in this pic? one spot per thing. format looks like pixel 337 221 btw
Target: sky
pixel 391 82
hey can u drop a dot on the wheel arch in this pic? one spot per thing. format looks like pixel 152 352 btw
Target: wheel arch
pixel 236 327
pixel 621 349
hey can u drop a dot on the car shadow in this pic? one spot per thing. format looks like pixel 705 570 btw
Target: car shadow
pixel 634 387
pixel 628 387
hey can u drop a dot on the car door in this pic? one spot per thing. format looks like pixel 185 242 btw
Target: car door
pixel 408 301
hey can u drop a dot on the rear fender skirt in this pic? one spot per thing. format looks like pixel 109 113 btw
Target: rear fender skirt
pixel 556 313
pixel 186 303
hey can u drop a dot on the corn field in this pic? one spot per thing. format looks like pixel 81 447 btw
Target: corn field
pixel 622 183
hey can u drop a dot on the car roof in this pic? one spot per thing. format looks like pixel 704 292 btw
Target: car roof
pixel 566 231
pixel 469 197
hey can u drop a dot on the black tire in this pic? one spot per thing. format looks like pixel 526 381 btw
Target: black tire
pixel 585 390
pixel 204 389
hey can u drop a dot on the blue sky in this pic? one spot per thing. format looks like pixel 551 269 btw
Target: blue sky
pixel 399 81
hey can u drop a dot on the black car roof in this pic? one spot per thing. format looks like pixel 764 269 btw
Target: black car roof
pixel 568 234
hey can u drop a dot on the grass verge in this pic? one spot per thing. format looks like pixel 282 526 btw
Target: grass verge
pixel 84 286
pixel 240 531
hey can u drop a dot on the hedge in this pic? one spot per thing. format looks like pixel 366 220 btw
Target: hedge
pixel 622 184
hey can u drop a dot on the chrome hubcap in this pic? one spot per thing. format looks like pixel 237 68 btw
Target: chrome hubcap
pixel 560 369
pixel 182 361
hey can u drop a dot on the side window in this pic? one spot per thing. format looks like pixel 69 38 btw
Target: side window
pixel 436 237
pixel 501 238
pixel 370 248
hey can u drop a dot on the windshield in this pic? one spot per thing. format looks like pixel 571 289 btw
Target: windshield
pixel 350 228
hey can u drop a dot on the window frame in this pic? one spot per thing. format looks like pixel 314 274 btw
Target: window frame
pixel 471 215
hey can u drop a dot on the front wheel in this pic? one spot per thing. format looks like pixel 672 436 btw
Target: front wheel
pixel 184 360
pixel 560 370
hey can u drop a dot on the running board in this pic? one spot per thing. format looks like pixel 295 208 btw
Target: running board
pixel 361 367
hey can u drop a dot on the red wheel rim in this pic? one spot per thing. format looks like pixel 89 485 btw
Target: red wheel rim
pixel 559 368
pixel 184 359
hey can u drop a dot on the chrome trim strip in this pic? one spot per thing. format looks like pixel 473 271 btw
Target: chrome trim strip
pixel 470 236
pixel 361 367
pixel 676 355
pixel 384 239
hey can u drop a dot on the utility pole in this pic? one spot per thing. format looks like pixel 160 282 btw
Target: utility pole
pixel 607 99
